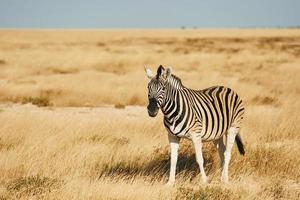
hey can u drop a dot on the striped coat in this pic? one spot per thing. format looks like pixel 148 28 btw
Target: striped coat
pixel 212 114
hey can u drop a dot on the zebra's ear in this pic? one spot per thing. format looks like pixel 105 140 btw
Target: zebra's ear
pixel 160 70
pixel 148 73
pixel 168 72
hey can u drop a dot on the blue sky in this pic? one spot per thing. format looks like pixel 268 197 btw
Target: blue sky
pixel 148 14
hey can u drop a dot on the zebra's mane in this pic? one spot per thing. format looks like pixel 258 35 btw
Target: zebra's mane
pixel 175 81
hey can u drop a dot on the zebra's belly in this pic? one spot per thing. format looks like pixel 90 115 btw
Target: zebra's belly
pixel 182 130
pixel 208 134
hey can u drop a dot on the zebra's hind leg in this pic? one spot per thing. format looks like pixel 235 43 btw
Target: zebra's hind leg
pixel 219 143
pixel 197 142
pixel 230 138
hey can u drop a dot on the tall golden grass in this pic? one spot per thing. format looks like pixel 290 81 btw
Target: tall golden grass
pixel 74 123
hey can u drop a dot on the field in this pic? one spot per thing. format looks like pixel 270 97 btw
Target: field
pixel 74 123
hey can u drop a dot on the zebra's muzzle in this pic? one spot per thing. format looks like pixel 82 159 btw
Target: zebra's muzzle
pixel 152 114
pixel 152 107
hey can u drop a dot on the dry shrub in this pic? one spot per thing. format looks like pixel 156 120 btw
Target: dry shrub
pixel 264 100
pixel 292 47
pixel 120 106
pixel 2 62
pixel 60 70
pixel 101 44
pixel 41 101
pixel 158 41
pixel 8 145
pixel 159 51
pixel 181 50
pixel 32 186
pixel 205 193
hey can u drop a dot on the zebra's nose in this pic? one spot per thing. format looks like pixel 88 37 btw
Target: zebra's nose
pixel 152 107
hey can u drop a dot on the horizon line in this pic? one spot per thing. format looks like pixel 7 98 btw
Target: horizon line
pixel 149 28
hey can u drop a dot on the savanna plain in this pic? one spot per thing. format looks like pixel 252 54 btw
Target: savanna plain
pixel 74 123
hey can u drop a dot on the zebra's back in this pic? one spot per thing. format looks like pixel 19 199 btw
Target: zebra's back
pixel 217 108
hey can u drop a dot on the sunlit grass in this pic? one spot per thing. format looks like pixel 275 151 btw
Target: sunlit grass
pixel 108 147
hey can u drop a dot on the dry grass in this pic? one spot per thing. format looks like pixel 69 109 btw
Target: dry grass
pixel 108 148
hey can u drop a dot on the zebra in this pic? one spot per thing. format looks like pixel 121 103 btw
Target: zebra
pixel 212 114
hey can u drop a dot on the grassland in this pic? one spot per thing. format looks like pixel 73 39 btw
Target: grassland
pixel 74 123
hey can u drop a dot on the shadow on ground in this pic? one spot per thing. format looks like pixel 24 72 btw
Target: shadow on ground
pixel 158 166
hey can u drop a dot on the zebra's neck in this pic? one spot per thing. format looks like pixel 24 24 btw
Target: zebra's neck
pixel 173 88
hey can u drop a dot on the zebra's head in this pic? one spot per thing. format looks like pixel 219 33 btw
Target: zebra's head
pixel 156 88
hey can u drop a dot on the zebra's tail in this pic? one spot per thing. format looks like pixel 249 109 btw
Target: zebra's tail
pixel 239 144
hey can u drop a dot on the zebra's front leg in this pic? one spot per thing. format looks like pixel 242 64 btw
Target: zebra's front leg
pixel 174 144
pixel 197 141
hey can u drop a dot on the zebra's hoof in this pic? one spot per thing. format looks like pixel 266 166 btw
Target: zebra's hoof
pixel 205 180
pixel 224 180
pixel 170 183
